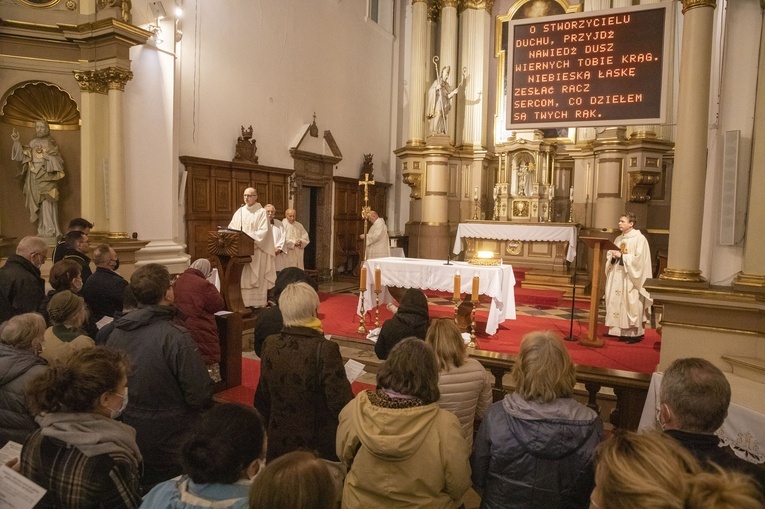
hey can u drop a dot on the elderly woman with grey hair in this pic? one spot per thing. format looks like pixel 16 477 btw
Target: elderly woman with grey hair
pixel 20 363
pixel 302 385
pixel 535 447
pixel 197 301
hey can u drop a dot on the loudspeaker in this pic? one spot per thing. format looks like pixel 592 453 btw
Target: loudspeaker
pixel 734 189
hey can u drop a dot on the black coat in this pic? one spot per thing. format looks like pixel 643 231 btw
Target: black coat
pixel 21 287
pixel 411 319
pixel 83 260
pixel 103 292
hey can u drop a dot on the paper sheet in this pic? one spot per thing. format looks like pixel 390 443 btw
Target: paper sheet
pixel 16 491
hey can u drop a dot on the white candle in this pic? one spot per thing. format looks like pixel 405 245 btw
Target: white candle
pixel 571 193
pixel 475 193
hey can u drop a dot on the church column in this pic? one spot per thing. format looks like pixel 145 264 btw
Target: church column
pixel 475 20
pixel 115 175
pixel 92 90
pixel 448 54
pixel 691 144
pixel 419 72
pixel 752 275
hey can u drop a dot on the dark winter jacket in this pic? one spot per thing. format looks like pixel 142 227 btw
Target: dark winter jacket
pixel 269 321
pixel 197 301
pixel 411 319
pixel 103 293
pixel 536 455
pixel 301 391
pixel 21 287
pixel 169 385
pixel 17 370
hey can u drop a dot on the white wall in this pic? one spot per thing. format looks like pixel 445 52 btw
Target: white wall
pixel 273 64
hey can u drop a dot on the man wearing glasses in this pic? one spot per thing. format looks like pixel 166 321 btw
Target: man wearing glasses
pixel 21 287
pixel 260 274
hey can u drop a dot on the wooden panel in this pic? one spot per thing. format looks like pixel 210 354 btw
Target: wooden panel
pixel 214 191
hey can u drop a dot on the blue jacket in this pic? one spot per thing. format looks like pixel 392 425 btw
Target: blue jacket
pixel 186 494
pixel 536 455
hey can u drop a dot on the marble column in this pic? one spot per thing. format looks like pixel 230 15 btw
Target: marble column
pixel 474 46
pixel 116 169
pixel 691 144
pixel 92 90
pixel 448 54
pixel 419 73
pixel 752 275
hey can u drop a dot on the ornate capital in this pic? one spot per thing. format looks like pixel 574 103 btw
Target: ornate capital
pixel 690 4
pixel 102 80
pixel 450 3
pixel 478 4
pixel 641 185
pixel 434 10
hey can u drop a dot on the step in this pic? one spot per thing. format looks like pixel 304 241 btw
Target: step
pixel 752 368
pixel 538 297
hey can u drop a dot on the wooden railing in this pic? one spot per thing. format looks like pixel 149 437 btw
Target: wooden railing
pixel 630 389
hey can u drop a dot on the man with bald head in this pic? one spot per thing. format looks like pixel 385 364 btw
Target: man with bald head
pixel 280 259
pixel 377 241
pixel 260 274
pixel 295 240
pixel 21 287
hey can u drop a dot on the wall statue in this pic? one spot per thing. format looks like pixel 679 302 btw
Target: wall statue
pixel 41 168
pixel 439 99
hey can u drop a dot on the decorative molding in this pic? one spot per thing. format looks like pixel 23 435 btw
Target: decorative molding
pixel 434 11
pixel 123 5
pixel 476 5
pixel 450 3
pixel 640 185
pixel 692 4
pixel 30 101
pixel 685 276
pixel 414 180
pixel 102 80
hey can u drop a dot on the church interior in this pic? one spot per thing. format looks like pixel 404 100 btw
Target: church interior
pixel 165 111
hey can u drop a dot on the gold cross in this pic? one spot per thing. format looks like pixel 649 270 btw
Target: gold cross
pixel 366 183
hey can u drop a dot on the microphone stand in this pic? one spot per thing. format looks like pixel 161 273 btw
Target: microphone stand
pixel 571 336
pixel 448 247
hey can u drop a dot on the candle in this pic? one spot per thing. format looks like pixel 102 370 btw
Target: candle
pixel 571 194
pixel 457 285
pixel 378 279
pixel 475 193
pixel 363 282
pixel 475 288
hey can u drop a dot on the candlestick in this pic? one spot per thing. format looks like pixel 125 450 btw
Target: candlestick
pixel 457 285
pixel 476 282
pixel 363 281
pixel 378 279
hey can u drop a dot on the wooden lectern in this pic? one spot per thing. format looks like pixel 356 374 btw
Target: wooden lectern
pixel 599 246
pixel 230 251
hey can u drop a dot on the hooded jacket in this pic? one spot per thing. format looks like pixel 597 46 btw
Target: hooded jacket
pixel 536 455
pixel 401 457
pixel 411 319
pixel 18 368
pixel 169 385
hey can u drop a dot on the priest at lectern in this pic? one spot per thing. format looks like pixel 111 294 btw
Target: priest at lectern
pixel 260 274
pixel 628 305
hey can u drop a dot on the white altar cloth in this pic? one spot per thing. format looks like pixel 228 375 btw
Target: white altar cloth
pixel 517 232
pixel 497 282
pixel 742 430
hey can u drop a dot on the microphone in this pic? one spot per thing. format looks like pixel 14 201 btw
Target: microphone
pixel 241 225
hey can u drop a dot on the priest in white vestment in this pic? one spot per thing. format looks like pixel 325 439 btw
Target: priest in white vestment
pixel 260 274
pixel 280 258
pixel 378 243
pixel 295 239
pixel 628 304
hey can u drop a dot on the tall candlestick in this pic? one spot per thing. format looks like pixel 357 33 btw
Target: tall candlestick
pixel 476 283
pixel 363 282
pixel 457 285
pixel 378 279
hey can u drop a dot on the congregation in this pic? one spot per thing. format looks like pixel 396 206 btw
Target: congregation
pixel 124 416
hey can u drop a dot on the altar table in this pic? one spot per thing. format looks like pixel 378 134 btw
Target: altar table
pixel 529 232
pixel 743 429
pixel 496 282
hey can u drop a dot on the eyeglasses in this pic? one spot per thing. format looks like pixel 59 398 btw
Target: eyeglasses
pixel 43 255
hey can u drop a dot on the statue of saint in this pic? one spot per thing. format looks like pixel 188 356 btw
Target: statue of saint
pixel 41 168
pixel 439 101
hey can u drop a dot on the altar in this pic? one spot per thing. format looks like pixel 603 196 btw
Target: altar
pixel 496 282
pixel 537 245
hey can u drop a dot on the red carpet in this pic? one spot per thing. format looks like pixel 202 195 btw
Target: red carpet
pixel 245 393
pixel 338 315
